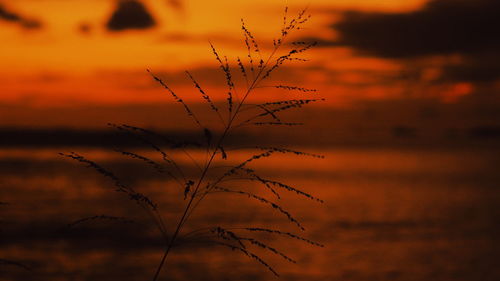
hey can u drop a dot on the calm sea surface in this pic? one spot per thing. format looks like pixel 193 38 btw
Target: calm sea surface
pixel 389 214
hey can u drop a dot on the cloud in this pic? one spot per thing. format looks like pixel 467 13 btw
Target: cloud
pixel 475 68
pixel 467 28
pixel 85 28
pixel 218 39
pixel 130 14
pixel 441 27
pixel 12 17
pixel 176 4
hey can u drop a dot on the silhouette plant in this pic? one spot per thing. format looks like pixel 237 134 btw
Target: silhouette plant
pixel 236 112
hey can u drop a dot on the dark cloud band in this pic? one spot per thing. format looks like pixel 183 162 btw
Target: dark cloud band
pixel 9 16
pixel 130 14
pixel 468 28
pixel 441 27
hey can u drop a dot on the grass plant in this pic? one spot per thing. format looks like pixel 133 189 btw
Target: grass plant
pixel 235 113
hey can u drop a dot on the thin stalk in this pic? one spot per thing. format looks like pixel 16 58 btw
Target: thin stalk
pixel 187 208
pixel 187 211
pixel 238 109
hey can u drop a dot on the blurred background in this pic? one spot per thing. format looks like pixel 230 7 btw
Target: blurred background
pixel 410 129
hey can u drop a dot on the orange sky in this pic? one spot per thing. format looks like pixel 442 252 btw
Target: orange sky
pixel 73 59
pixel 57 63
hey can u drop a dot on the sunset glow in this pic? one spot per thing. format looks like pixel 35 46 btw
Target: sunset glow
pixel 241 140
pixel 72 58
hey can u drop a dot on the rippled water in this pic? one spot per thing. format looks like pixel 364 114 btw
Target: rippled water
pixel 389 214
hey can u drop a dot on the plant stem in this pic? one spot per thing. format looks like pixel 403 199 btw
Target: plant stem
pixel 207 166
pixel 186 210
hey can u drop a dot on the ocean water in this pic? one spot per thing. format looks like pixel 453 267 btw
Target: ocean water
pixel 406 213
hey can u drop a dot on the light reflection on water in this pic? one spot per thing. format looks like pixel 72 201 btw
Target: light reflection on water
pixel 389 214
